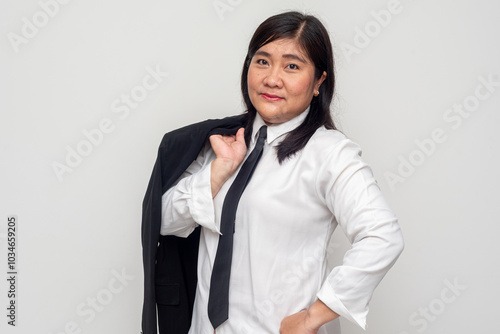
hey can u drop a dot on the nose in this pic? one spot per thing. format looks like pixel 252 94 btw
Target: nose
pixel 273 77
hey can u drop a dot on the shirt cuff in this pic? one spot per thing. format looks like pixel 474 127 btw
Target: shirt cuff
pixel 328 296
pixel 201 205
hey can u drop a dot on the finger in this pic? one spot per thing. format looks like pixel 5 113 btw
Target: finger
pixel 240 135
pixel 214 137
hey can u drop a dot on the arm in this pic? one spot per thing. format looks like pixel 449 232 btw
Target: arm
pixel 189 203
pixel 353 196
pixel 347 186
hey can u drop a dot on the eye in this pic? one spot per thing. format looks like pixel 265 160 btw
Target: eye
pixel 261 61
pixel 293 67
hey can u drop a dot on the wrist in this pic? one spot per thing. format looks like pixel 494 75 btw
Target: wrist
pixel 311 320
pixel 220 171
pixel 319 314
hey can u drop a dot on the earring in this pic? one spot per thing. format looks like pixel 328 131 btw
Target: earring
pixel 316 93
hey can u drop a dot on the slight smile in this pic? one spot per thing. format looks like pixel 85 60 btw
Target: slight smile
pixel 270 97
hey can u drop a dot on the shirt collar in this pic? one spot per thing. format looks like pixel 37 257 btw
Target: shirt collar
pixel 275 131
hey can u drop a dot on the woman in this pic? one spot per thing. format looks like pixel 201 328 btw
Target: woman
pixel 309 179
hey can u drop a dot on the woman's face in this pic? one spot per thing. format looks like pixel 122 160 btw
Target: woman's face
pixel 281 81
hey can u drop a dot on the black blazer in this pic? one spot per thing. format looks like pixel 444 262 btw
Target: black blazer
pixel 170 263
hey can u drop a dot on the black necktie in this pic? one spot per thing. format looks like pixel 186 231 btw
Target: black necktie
pixel 218 300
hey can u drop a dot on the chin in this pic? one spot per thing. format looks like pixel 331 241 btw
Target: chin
pixel 275 119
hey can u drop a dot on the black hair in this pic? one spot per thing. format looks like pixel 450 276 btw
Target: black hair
pixel 313 39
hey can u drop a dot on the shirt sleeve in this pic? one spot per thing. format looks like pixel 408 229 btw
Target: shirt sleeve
pixel 189 202
pixel 352 194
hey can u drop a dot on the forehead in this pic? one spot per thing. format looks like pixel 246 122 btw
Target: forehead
pixel 284 46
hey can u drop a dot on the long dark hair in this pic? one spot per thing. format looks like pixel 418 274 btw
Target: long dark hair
pixel 313 38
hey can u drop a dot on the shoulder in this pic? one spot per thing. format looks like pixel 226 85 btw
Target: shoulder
pixel 328 142
pixel 338 160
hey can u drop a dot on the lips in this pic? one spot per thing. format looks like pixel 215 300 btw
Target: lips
pixel 271 97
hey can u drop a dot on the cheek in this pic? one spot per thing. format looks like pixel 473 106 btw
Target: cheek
pixel 252 79
pixel 252 83
pixel 301 87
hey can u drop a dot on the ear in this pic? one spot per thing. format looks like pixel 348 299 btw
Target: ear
pixel 320 81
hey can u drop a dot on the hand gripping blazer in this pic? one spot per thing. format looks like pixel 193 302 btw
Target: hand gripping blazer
pixel 170 262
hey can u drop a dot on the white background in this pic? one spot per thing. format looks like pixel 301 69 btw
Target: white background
pixel 79 230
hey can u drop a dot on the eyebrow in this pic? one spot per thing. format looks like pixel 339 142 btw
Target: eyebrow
pixel 286 55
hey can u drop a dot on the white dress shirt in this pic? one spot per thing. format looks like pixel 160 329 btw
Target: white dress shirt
pixel 284 222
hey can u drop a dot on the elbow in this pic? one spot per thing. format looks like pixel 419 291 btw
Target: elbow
pixel 394 243
pixel 398 243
